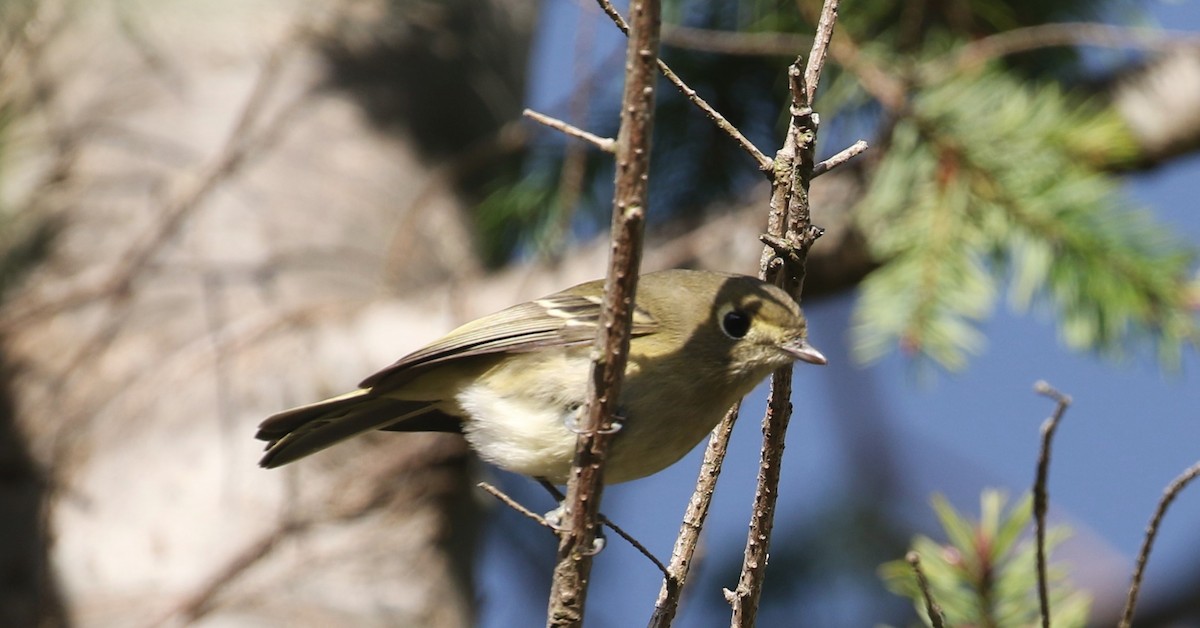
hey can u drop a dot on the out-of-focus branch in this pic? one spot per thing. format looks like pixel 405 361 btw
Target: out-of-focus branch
pixel 764 162
pixel 240 144
pixel 936 619
pixel 1173 489
pixel 1041 498
pixel 1062 34
pixel 734 42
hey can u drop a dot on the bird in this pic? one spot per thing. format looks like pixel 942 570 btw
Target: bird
pixel 515 383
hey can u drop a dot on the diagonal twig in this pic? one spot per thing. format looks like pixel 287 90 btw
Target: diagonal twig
pixel 693 522
pixel 1172 491
pixel 611 525
pixel 843 156
pixel 606 144
pixel 936 619
pixel 514 504
pixel 764 162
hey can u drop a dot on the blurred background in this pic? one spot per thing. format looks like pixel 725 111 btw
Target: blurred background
pixel 213 210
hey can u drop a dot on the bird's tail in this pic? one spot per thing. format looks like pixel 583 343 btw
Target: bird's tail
pixel 296 433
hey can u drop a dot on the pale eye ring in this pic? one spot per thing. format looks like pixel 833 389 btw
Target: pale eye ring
pixel 734 322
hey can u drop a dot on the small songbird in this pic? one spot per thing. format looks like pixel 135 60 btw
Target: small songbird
pixel 514 383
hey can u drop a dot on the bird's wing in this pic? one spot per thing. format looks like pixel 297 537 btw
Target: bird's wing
pixel 559 320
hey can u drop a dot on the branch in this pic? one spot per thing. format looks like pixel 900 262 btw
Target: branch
pixel 764 162
pixel 611 525
pixel 1173 489
pixel 843 156
pixel 693 522
pixel 568 592
pixel 820 50
pixel 1062 34
pixel 936 619
pixel 1041 499
pixel 789 251
pixel 606 144
pixel 734 42
pixel 515 505
pixel 790 219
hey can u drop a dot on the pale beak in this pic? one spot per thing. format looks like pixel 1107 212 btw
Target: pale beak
pixel 801 350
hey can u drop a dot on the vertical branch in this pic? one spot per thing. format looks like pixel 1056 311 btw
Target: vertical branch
pixel 790 234
pixel 1041 498
pixel 576 545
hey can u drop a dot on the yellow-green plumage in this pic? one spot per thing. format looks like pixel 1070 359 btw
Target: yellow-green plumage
pixel 514 380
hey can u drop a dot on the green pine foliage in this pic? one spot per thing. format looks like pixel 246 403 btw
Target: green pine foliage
pixel 521 218
pixel 985 574
pixel 988 183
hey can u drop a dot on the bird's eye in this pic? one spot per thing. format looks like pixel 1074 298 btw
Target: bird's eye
pixel 735 323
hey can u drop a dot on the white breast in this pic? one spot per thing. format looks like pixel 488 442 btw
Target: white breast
pixel 523 428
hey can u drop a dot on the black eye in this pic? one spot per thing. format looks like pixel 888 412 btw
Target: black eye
pixel 735 323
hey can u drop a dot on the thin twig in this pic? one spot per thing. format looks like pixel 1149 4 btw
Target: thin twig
pixel 569 587
pixel 783 172
pixel 515 505
pixel 936 619
pixel 611 525
pixel 1041 498
pixel 820 49
pixel 605 144
pixel 637 545
pixel 693 522
pixel 764 162
pixel 1173 489
pixel 843 156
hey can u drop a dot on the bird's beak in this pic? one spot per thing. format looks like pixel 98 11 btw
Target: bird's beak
pixel 801 350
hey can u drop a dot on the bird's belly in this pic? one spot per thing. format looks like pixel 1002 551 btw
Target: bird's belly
pixel 523 434
pixel 527 431
pixel 517 414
